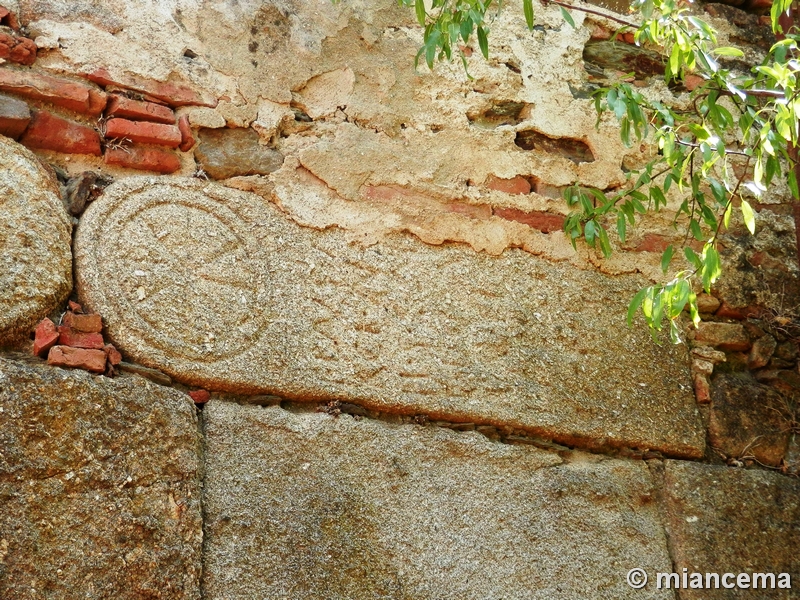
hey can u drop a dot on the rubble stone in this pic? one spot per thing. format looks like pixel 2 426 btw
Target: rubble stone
pixel 35 243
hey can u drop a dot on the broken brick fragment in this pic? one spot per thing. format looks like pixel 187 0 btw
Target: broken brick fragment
pixel 81 358
pixel 702 389
pixel 200 396
pixel 83 323
pixel 79 339
pixel 515 185
pixel 8 18
pixel 143 159
pixel 113 355
pixel 75 307
pixel 49 132
pixel 46 337
pixel 187 139
pixel 137 110
pixel 144 132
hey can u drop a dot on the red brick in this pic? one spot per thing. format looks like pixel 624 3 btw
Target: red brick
pixel 14 117
pixel 79 339
pixel 515 185
pixel 49 132
pixel 187 139
pixel 120 106
pixel 45 338
pixel 61 92
pixel 75 307
pixel 113 355
pixel 543 221
pixel 172 94
pixel 84 323
pixel 90 360
pixel 200 396
pixel 144 159
pixel 146 133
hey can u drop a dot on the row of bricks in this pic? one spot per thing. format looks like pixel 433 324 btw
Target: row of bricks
pixel 81 98
pixel 50 132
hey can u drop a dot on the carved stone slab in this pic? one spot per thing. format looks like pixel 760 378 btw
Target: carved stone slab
pixel 216 288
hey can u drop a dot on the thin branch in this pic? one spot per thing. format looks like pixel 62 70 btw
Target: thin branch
pixel 693 145
pixel 591 12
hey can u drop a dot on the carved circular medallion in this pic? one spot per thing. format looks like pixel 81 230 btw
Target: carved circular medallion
pixel 175 267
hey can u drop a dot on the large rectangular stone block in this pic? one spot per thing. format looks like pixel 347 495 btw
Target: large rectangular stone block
pixel 306 506
pixel 99 487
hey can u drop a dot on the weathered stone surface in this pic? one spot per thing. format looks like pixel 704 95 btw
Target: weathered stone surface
pixel 748 419
pixel 617 56
pixel 224 153
pixel 14 116
pixel 310 506
pixel 217 289
pixel 762 350
pixel 724 520
pixel 99 487
pixel 35 243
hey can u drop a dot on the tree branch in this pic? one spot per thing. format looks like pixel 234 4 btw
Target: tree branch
pixel 591 12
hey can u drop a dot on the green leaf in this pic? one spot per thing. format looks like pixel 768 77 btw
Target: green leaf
pixel 694 226
pixel 658 197
pixel 419 7
pixel 605 245
pixel 589 232
pixel 635 304
pixel 567 17
pixel 748 216
pixel 711 269
pixel 625 131
pixel 692 257
pixel 483 41
pixel 527 7
pixel 621 226
pixel 728 51
pixel 466 29
pixel 666 258
pixel 726 219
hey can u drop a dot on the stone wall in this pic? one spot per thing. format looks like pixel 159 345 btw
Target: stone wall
pixel 341 346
